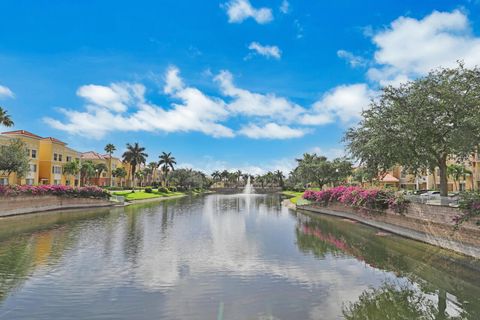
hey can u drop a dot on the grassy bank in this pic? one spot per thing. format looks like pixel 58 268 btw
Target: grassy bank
pixel 142 195
pixel 294 196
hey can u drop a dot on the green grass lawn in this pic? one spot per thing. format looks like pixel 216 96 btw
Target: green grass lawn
pixel 294 196
pixel 141 195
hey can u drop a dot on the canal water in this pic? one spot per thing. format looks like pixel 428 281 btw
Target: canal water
pixel 224 257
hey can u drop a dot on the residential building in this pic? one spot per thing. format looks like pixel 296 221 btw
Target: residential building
pixel 53 156
pixel 32 142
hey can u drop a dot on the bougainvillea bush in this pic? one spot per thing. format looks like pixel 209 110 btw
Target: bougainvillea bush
pixel 55 190
pixel 373 199
pixel 469 204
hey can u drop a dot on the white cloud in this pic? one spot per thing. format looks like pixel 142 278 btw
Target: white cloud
pixel 115 97
pixel 344 102
pixel 239 10
pixel 255 104
pixel 410 47
pixel 172 80
pixel 353 60
pixel 266 51
pixel 285 7
pixel 5 92
pixel 195 111
pixel 271 131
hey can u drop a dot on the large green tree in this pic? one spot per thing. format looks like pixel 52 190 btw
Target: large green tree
pixel 14 158
pixel 121 173
pixel 422 123
pixel 135 156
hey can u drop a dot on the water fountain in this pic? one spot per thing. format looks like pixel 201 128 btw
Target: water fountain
pixel 248 187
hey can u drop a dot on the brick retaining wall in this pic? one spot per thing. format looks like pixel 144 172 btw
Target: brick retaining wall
pixel 427 223
pixel 29 204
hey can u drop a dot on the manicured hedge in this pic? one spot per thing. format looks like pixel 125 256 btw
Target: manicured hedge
pixel 55 190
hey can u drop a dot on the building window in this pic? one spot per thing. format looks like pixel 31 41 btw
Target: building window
pixel 29 182
pixel 55 157
pixel 33 168
pixel 3 181
pixel 67 182
pixel 56 182
pixel 56 170
pixel 34 154
pixel 69 158
pixel 60 157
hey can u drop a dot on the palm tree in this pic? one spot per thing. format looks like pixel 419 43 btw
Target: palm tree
pixel 216 175
pixel 279 175
pixel 135 156
pixel 121 173
pixel 87 170
pixel 110 149
pixel 5 118
pixel 72 168
pixel 166 162
pixel 152 166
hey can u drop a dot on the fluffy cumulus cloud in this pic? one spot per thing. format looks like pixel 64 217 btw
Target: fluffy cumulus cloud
pixel 254 104
pixel 266 50
pixel 192 111
pixel 124 107
pixel 411 47
pixel 239 10
pixel 271 131
pixel 5 92
pixel 344 102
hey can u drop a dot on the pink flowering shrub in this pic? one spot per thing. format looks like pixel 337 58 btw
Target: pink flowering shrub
pixel 376 199
pixel 55 190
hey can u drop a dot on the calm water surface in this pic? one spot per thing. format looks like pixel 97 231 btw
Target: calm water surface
pixel 224 257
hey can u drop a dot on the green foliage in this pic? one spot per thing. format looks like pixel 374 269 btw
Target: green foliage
pixel 135 156
pixel 420 123
pixel 148 190
pixel 100 168
pixel 87 170
pixel 5 118
pixel 72 168
pixel 119 172
pixel 14 158
pixel 313 168
pixel 187 179
pixel 163 189
pixel 167 163
pixel 469 203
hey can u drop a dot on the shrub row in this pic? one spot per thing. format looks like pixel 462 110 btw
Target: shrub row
pixel 372 199
pixel 55 190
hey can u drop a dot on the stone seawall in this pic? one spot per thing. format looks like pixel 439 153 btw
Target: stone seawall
pixel 427 223
pixel 29 204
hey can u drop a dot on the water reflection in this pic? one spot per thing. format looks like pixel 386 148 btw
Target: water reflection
pixel 230 256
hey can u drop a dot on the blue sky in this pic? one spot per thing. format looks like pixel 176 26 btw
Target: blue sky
pixel 220 84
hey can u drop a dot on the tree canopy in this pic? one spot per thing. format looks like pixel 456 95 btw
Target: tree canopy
pixel 420 124
pixel 14 158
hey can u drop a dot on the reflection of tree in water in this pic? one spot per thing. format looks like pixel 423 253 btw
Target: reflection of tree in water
pixel 434 272
pixel 394 302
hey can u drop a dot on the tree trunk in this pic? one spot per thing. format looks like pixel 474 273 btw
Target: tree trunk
pixel 442 165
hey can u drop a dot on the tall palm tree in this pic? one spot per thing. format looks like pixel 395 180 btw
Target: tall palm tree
pixel 87 171
pixel 135 156
pixel 166 162
pixel 5 118
pixel 153 168
pixel 279 176
pixel 216 175
pixel 110 149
